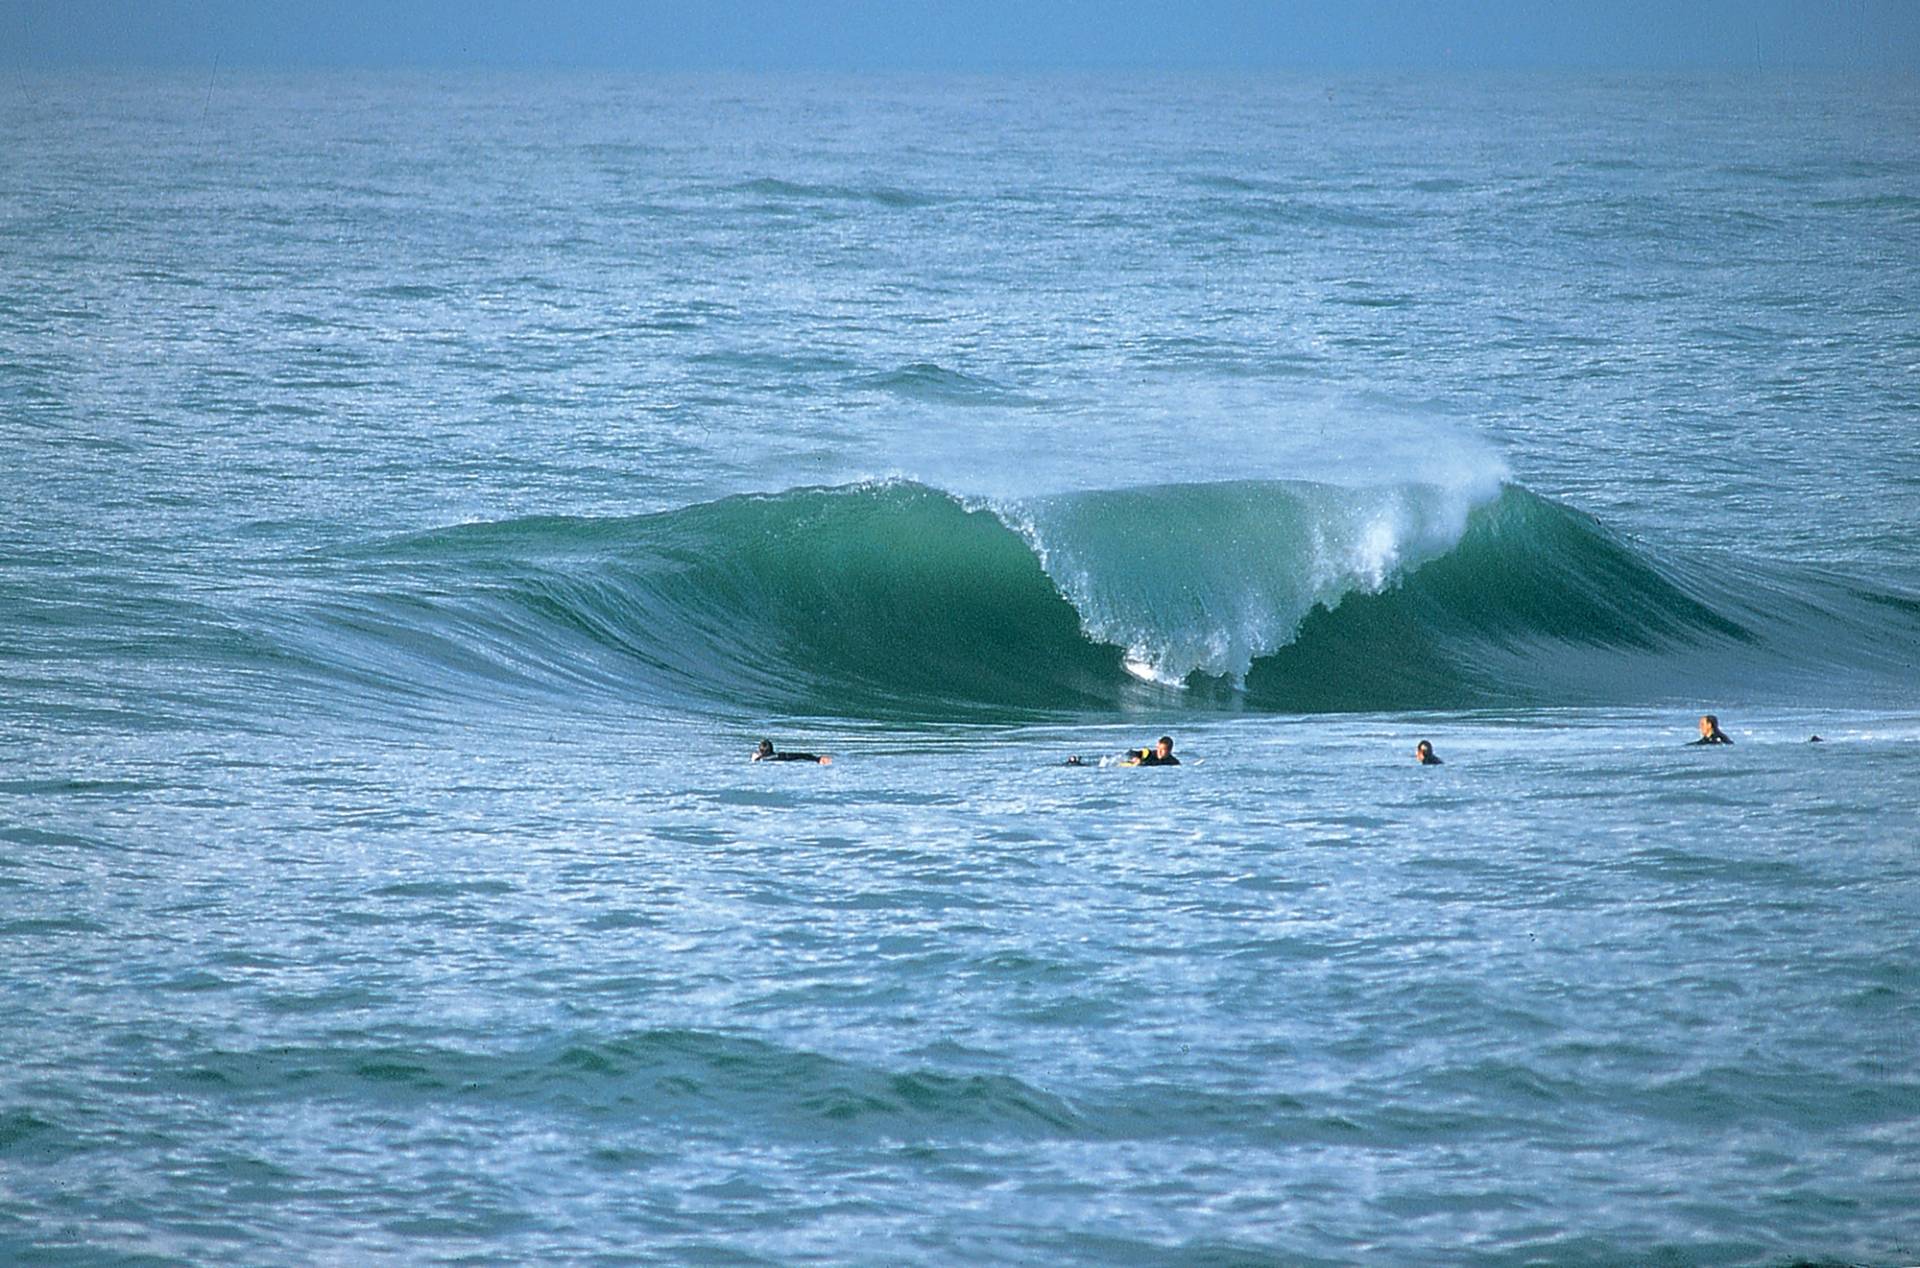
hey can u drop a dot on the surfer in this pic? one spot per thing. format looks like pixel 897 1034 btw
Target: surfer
pixel 765 753
pixel 1161 754
pixel 1710 732
pixel 1424 751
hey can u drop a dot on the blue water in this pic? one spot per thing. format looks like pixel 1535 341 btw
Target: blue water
pixel 422 491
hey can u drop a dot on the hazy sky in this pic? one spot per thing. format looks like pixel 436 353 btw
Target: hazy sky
pixel 967 34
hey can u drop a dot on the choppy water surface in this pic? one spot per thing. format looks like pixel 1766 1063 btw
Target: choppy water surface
pixel 422 491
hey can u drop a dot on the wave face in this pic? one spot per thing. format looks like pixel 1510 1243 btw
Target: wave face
pixel 896 600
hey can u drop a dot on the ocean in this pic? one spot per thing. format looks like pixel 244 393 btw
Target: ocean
pixel 422 490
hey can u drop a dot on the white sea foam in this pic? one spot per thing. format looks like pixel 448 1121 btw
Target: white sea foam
pixel 1208 577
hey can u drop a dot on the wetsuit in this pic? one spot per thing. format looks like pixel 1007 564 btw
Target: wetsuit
pixel 788 757
pixel 1150 758
pixel 1431 759
pixel 1715 738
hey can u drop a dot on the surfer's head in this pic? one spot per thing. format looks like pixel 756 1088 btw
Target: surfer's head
pixel 1163 747
pixel 1709 726
pixel 764 749
pixel 1424 751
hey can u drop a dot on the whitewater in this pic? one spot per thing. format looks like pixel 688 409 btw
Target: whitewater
pixel 422 491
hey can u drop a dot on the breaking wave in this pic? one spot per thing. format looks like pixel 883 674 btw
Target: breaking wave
pixel 897 600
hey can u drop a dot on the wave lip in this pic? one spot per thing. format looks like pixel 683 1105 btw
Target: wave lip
pixel 898 601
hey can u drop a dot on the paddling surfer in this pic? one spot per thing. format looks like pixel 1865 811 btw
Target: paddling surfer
pixel 766 753
pixel 1161 754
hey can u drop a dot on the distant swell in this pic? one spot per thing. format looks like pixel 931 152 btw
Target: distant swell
pixel 927 382
pixel 782 191
pixel 900 601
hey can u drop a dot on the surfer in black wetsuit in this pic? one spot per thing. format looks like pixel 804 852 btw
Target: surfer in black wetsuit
pixel 765 753
pixel 1424 751
pixel 1710 732
pixel 1161 754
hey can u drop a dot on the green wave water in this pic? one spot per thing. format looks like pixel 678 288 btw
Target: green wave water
pixel 895 600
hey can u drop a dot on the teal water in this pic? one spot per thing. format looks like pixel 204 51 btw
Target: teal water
pixel 422 491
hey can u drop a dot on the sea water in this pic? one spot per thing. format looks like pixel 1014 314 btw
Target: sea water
pixel 422 491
